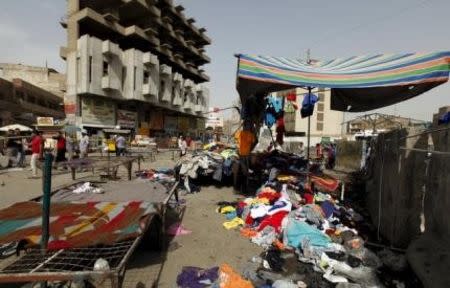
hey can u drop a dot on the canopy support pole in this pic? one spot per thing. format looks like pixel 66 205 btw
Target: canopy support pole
pixel 309 138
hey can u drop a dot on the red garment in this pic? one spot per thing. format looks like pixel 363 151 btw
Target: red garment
pixel 274 221
pixel 36 145
pixel 280 131
pixel 272 197
pixel 249 220
pixel 61 144
pixel 291 97
pixel 309 198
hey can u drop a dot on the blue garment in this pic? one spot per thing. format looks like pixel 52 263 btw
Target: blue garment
pixel 297 230
pixel 310 99
pixel 328 208
pixel 274 110
pixel 231 215
pixel 308 105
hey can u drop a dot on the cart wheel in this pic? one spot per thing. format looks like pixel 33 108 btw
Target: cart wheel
pixel 153 238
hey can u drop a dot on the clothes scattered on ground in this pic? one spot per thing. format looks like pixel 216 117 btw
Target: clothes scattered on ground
pixel 194 277
pixel 289 215
pixel 177 229
pixel 88 187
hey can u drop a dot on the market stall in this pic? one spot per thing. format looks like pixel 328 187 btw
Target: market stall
pixel 121 215
pixel 299 215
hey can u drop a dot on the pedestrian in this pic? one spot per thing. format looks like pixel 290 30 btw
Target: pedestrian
pixel 84 145
pixel 120 145
pixel 319 153
pixel 60 148
pixel 20 150
pixel 69 147
pixel 11 147
pixel 182 145
pixel 301 150
pixel 36 151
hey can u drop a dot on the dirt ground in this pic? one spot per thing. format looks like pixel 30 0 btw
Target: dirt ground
pixel 209 244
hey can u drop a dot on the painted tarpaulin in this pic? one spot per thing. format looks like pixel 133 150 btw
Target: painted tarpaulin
pixel 357 83
pixel 74 224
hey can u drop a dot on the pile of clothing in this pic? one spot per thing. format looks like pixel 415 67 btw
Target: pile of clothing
pixel 223 277
pixel 164 176
pixel 288 216
pixel 206 163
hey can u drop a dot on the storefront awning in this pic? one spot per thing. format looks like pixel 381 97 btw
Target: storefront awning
pixel 357 83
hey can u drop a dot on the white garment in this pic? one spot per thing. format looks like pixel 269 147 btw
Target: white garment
pixel 33 163
pixel 259 211
pixel 84 144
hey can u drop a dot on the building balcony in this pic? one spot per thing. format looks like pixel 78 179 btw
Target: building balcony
pixel 177 101
pixel 165 70
pixel 177 78
pixel 198 108
pixel 149 59
pixel 150 91
pixel 188 106
pixel 106 83
pixel 109 48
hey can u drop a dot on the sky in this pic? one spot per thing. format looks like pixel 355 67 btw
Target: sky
pixel 329 28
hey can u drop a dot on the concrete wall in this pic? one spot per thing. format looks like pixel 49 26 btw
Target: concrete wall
pixel 405 190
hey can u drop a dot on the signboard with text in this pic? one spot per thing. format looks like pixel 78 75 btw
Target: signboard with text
pixel 126 119
pixel 98 111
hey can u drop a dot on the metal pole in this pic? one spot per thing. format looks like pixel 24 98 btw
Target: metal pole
pixel 309 136
pixel 47 181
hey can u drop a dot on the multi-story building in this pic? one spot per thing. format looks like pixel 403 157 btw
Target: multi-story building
pixel 325 123
pixel 27 92
pixel 134 64
pixel 215 118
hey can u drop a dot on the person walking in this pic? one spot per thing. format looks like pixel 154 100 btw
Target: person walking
pixel 182 145
pixel 69 147
pixel 60 148
pixel 20 150
pixel 84 145
pixel 120 145
pixel 301 150
pixel 36 147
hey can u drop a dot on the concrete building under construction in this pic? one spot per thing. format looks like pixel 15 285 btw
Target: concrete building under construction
pixel 135 64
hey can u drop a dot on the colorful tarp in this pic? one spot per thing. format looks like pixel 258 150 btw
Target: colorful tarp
pixel 74 224
pixel 362 82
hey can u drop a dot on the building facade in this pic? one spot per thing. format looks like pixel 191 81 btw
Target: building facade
pixel 135 64
pixel 22 102
pixel 325 123
pixel 28 92
pixel 214 119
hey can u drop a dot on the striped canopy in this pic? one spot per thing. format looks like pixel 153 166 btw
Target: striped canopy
pixel 357 83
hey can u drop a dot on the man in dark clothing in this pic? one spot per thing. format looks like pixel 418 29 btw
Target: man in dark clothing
pixel 60 148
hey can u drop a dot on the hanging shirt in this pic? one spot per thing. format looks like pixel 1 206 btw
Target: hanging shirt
pixel 245 140
pixel 308 105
